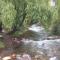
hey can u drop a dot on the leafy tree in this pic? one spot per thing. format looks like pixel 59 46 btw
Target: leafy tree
pixel 8 14
pixel 18 15
pixel 55 23
pixel 38 11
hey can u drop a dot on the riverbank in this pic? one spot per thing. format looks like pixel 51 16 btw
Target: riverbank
pixel 24 56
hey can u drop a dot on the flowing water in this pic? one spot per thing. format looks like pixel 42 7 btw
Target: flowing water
pixel 36 43
pixel 40 45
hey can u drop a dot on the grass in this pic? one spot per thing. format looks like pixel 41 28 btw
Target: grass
pixel 2 45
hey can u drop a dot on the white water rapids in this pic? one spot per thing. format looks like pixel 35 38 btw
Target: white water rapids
pixel 51 48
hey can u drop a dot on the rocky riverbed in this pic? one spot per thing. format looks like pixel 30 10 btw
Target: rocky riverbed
pixel 35 43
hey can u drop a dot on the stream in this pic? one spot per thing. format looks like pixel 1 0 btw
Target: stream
pixel 39 44
pixel 36 43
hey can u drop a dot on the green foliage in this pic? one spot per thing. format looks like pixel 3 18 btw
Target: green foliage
pixel 38 11
pixel 8 17
pixel 19 15
pixel 8 14
pixel 2 45
pixel 55 23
